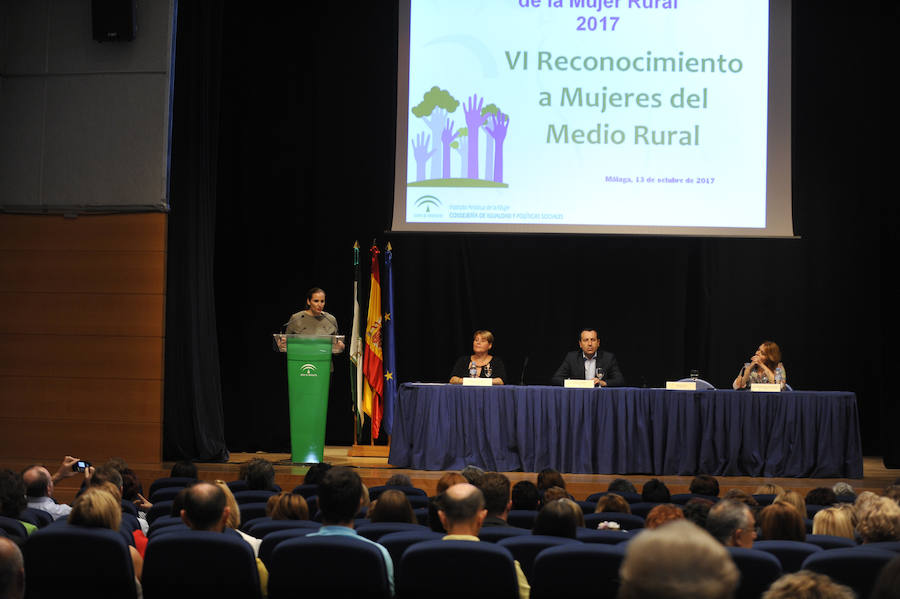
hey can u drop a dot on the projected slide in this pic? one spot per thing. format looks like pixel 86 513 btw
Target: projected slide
pixel 630 114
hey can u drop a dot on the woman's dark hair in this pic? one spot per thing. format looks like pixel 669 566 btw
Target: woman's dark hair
pixel 392 506
pixel 821 496
pixel 525 496
pixel 550 477
pixel 315 473
pixel 312 292
pixel 556 519
pixel 398 480
pixel 131 486
pixel 620 485
pixel 655 491
pixel 184 469
pixel 12 494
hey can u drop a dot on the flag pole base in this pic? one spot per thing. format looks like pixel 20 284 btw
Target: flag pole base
pixel 369 451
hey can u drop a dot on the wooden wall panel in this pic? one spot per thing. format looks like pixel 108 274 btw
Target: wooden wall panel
pixel 82 307
pixel 82 314
pixel 34 398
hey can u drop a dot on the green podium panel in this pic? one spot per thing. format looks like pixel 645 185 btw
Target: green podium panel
pixel 309 372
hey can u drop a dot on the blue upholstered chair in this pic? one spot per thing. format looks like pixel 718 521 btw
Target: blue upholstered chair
pixel 199 563
pixel 603 537
pixel 791 554
pixel 629 497
pixel 830 541
pixel 758 570
pixel 492 534
pixel 169 481
pixel 427 567
pixel 375 530
pixel 251 511
pixel 162 508
pixel 327 566
pixel 263 526
pixel 625 521
pixel 522 518
pixel 14 529
pixel 398 542
pixel 683 498
pixel 306 490
pixel 374 492
pixel 525 548
pixel 249 496
pixel 165 494
pixel 577 570
pixel 276 537
pixel 39 518
pixel 857 567
pixel 642 508
pixel 63 558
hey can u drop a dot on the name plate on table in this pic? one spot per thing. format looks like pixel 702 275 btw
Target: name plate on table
pixel 765 387
pixel 578 383
pixel 681 385
pixel 477 382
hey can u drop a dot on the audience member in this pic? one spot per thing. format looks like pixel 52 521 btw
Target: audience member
pixel 674 561
pixel 132 489
pixel 184 469
pixel 473 474
pixel 612 502
pixel 287 506
pixel 448 479
pixel 340 498
pixel 392 506
pixel 39 485
pixel 821 496
pixel 206 508
pixel 793 498
pixel 552 494
pixel 550 477
pixel 525 496
pixel 704 484
pixel 742 496
pixel 843 490
pixel 556 519
pixel 893 492
pixel 768 489
pixel 461 510
pixel 12 498
pixel 879 521
pixel 732 524
pixel 398 480
pixel 621 485
pixel 576 509
pixel 887 585
pixel 233 519
pixel 807 585
pixel 259 474
pixel 495 488
pixel 696 510
pixel 315 473
pixel 833 521
pixel 655 491
pixel 661 514
pixel 781 522
pixel 12 570
pixel 97 507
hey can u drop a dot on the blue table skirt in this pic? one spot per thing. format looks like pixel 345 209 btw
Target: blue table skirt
pixel 627 431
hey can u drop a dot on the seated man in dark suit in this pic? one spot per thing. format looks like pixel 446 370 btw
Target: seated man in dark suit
pixel 590 362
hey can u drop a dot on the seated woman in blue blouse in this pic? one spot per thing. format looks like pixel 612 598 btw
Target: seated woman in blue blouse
pixel 480 363
pixel 764 367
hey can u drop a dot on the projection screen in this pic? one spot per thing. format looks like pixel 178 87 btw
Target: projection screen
pixel 661 117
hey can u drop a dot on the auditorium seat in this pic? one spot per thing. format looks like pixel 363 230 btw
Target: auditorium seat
pixel 169 481
pixel 65 558
pixel 525 548
pixel 683 498
pixel 237 485
pixel 629 497
pixel 374 492
pixel 812 509
pixel 13 528
pixel 398 542
pixel 830 541
pixel 163 508
pixel 168 524
pixel 39 518
pixel 577 570
pixel 587 507
pixel 248 496
pixel 199 563
pixel 428 569
pixel 164 494
pixel 603 537
pixel 263 526
pixel 306 490
pixel 522 518
pixel 492 534
pixel 274 538
pixel 327 566
pixel 764 499
pixel 883 545
pixel 251 511
pixel 625 521
pixel 758 570
pixel 856 567
pixel 791 554
pixel 643 508
pixel 375 530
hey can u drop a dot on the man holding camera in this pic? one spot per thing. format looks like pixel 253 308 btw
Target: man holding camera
pixel 39 486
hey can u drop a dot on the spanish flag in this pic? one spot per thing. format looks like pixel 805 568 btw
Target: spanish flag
pixel 373 370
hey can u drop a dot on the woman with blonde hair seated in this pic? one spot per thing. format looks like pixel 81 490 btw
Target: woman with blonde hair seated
pixel 98 508
pixel 287 506
pixel 234 518
pixel 793 498
pixel 612 503
pixel 833 521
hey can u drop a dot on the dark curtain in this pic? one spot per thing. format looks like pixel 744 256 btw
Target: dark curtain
pixel 305 168
pixel 193 416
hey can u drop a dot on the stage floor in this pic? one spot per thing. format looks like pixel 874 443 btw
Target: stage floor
pixel 375 471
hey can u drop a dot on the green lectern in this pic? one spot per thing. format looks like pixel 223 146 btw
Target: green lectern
pixel 309 372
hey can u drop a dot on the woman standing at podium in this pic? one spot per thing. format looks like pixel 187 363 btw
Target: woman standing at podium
pixel 314 320
pixel 481 363
pixel 764 367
